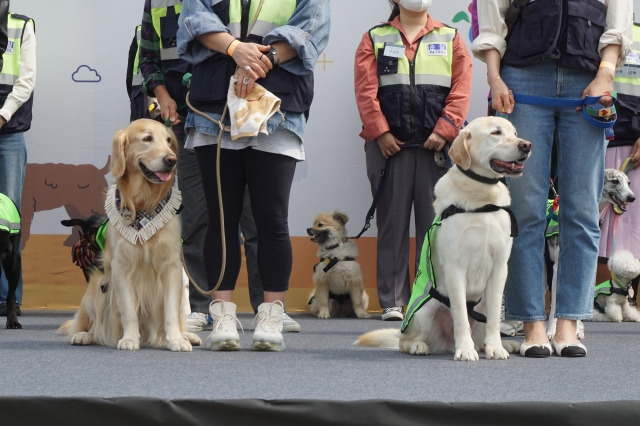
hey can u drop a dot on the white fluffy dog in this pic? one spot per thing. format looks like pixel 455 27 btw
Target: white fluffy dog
pixel 611 301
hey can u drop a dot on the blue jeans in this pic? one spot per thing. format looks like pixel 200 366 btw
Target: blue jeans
pixel 581 152
pixel 13 164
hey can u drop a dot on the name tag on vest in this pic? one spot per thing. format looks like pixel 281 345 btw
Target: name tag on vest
pixel 393 51
pixel 9 50
pixel 437 49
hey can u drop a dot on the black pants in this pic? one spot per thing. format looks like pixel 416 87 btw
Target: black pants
pixel 268 178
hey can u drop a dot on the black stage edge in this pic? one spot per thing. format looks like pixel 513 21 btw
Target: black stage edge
pixel 32 411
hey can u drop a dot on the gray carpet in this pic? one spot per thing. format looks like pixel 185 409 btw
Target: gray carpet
pixel 319 363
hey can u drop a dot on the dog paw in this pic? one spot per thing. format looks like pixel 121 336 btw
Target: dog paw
pixel 464 354
pixel 128 345
pixel 82 338
pixel 511 346
pixel 13 325
pixel 492 352
pixel 324 313
pixel 418 348
pixel 179 345
pixel 193 338
pixel 362 314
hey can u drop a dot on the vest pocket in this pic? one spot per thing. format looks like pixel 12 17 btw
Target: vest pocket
pixel 585 25
pixel 391 106
pixel 535 31
pixel 433 102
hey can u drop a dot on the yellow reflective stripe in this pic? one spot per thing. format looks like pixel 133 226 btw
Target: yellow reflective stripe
pixel 137 75
pixel 159 11
pixel 274 13
pixel 11 58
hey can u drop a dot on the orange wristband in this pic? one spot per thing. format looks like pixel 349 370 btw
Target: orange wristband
pixel 608 65
pixel 232 47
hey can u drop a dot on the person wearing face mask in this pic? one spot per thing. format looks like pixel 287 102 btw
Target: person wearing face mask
pixel 412 86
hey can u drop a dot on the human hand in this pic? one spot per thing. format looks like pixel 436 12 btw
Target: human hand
pixel 501 96
pixel 602 83
pixel 252 64
pixel 2 121
pixel 389 145
pixel 434 142
pixel 168 109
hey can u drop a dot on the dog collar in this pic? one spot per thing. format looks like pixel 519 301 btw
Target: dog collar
pixel 477 177
pixel 335 246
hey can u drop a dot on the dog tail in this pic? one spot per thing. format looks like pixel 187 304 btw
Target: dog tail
pixel 383 338
pixel 64 329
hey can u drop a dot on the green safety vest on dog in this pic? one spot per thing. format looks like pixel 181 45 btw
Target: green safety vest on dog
pixel 9 216
pixel 425 277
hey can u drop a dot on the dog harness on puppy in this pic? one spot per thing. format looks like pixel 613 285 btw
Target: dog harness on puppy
pixel 607 288
pixel 330 262
pixel 9 215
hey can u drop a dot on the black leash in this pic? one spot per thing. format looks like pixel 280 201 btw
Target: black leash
pixel 376 197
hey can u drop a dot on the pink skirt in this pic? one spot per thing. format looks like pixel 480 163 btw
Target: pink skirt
pixel 627 234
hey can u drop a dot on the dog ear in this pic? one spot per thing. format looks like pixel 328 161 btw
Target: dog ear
pixel 459 151
pixel 340 217
pixel 118 159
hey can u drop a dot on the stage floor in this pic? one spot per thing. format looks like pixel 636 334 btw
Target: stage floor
pixel 319 364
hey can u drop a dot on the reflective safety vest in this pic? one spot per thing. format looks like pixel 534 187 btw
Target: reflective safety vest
pixel 21 119
pixel 9 216
pixel 210 80
pixel 425 277
pixel 137 75
pixel 627 84
pixel 627 79
pixel 412 94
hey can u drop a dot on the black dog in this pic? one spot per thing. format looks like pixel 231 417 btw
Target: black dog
pixel 86 251
pixel 10 255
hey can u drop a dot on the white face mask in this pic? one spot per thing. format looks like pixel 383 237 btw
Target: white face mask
pixel 415 5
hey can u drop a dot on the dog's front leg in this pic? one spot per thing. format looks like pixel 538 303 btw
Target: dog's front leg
pixel 630 313
pixel 493 347
pixel 465 350
pixel 322 300
pixel 172 310
pixel 356 300
pixel 613 309
pixel 130 340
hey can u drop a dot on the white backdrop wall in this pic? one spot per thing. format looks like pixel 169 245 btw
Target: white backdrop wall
pixel 80 98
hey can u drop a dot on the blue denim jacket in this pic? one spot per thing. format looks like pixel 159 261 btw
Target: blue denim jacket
pixel 307 32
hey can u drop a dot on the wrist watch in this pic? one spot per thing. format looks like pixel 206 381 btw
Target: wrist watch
pixel 271 55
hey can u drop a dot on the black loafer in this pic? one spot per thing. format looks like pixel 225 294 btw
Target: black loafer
pixel 536 351
pixel 569 349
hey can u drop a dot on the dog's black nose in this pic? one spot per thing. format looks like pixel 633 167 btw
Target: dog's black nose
pixel 524 146
pixel 170 160
pixel 631 199
pixel 310 232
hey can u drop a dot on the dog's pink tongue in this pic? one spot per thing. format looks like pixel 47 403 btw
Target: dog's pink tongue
pixel 164 176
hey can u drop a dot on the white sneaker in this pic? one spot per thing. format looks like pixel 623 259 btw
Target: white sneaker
pixel 512 328
pixel 289 324
pixel 197 321
pixel 267 336
pixel 224 336
pixel 392 314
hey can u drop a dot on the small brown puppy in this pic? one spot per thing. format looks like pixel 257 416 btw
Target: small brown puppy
pixel 337 278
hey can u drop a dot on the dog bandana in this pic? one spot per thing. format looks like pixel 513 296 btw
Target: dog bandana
pixel 249 116
pixel 146 223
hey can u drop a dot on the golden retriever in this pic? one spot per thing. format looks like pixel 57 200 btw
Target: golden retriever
pixel 469 251
pixel 337 278
pixel 138 300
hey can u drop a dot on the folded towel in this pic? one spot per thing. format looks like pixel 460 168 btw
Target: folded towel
pixel 249 115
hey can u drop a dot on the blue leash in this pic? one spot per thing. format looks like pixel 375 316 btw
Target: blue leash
pixel 595 114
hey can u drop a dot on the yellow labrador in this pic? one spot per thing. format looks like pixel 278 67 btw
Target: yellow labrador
pixel 469 251
pixel 138 300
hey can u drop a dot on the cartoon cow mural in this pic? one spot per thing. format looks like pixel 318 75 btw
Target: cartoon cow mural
pixel 79 189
